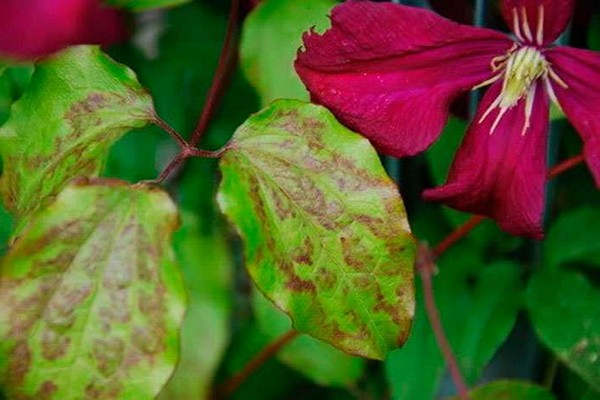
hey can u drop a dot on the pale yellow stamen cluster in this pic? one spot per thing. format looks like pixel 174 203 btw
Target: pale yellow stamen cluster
pixel 522 67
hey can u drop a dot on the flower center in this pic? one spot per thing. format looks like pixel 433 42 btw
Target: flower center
pixel 521 68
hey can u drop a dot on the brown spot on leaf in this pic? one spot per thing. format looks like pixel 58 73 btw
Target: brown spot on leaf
pixel 54 344
pixel 47 391
pixel 357 253
pixel 19 364
pixel 61 310
pixel 148 340
pixel 297 284
pixel 108 353
pixel 303 253
pixel 102 390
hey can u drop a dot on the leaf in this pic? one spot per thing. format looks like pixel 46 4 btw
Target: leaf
pixel 207 271
pixel 510 390
pixel 495 302
pixel 271 36
pixel 141 5
pixel 91 298
pixel 6 227
pixel 77 104
pixel 478 313
pixel 326 235
pixel 574 237
pixel 5 97
pixel 313 358
pixel 564 310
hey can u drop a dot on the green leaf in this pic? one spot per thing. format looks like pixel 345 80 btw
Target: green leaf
pixel 5 97
pixel 141 5
pixel 574 237
pixel 565 313
pixel 313 358
pixel 271 36
pixel 510 390
pixel 207 271
pixel 91 297
pixel 77 104
pixel 495 302
pixel 478 314
pixel 326 235
pixel 6 227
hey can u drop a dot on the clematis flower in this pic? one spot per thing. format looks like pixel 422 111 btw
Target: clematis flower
pixel 35 28
pixel 391 71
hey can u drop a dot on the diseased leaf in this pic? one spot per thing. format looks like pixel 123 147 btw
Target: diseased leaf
pixel 565 313
pixel 91 298
pixel 207 271
pixel 271 36
pixel 313 358
pixel 326 235
pixel 77 104
pixel 141 5
pixel 510 390
pixel 568 241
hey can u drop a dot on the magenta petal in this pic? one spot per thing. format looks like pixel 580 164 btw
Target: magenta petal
pixel 35 28
pixel 557 14
pixel 580 70
pixel 501 175
pixel 390 71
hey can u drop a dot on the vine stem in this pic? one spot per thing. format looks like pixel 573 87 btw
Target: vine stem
pixel 224 67
pixel 186 151
pixel 426 268
pixel 231 385
pixel 223 70
pixel 425 265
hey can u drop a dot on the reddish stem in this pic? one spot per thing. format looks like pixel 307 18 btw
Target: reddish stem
pixel 457 234
pixel 426 266
pixel 231 385
pixel 565 165
pixel 223 70
pixel 172 132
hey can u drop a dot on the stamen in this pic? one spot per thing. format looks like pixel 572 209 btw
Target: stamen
pixel 516 24
pixel 526 28
pixel 491 108
pixel 557 78
pixel 497 120
pixel 520 72
pixel 540 25
pixel 529 107
pixel 488 81
pixel 550 89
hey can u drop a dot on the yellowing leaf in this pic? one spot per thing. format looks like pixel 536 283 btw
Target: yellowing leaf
pixel 91 298
pixel 326 235
pixel 78 103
